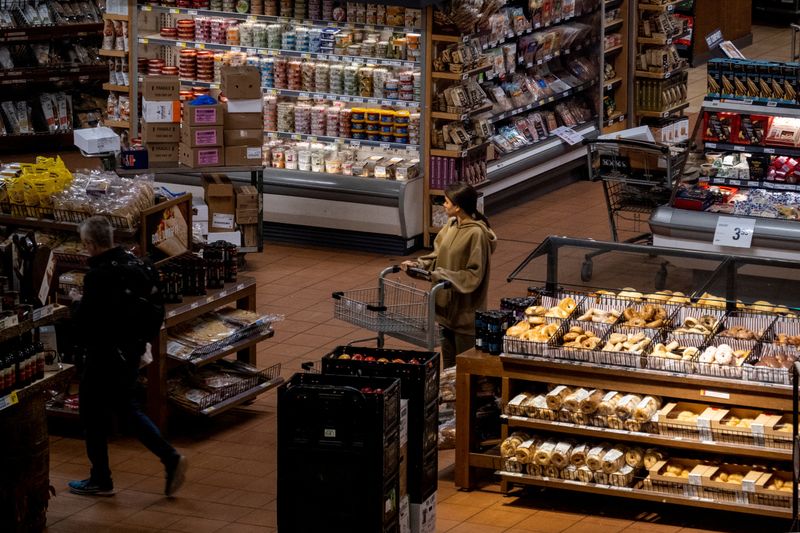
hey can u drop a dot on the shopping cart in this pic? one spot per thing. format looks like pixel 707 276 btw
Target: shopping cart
pixel 393 309
pixel 637 177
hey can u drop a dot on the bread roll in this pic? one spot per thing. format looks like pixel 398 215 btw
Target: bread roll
pixel 578 454
pixel 509 446
pixel 561 454
pixel 592 401
pixel 526 450
pixel 613 460
pixel 572 402
pixel 594 459
pixel 634 457
pixel 627 405
pixel 648 407
pixel 544 452
pixel 652 456
pixel 555 398
pixel 609 403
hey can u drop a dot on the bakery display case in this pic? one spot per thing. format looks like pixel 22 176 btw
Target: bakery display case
pixel 667 378
pixel 748 130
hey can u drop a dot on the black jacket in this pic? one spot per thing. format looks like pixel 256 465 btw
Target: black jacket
pixel 102 316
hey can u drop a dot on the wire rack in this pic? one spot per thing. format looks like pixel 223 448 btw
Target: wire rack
pixel 217 396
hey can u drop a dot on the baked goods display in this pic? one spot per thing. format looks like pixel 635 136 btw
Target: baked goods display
pixel 647 316
pixel 536 333
pixel 197 390
pixel 675 351
pixel 702 325
pixel 635 343
pixel 741 332
pixel 599 315
pixel 577 337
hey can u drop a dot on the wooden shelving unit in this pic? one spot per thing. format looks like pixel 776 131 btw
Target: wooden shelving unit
pixel 615 90
pixel 131 89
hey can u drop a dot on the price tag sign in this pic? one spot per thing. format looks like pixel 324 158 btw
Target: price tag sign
pixel 714 39
pixel 734 231
pixel 568 135
pixel 8 400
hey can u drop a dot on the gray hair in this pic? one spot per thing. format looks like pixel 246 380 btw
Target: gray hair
pixel 98 230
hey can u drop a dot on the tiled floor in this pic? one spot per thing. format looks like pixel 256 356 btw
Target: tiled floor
pixel 231 483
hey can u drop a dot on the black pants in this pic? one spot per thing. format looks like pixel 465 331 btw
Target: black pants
pixel 109 388
pixel 453 344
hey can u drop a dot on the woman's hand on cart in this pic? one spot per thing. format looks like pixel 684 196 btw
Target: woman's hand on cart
pixel 405 265
pixel 413 269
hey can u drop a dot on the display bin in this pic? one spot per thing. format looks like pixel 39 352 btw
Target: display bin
pixel 328 411
pixel 423 480
pixel 418 382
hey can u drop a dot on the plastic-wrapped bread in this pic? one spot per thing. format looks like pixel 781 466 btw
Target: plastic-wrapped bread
pixel 565 416
pixel 592 401
pixel 544 452
pixel 514 406
pixel 534 470
pixel 646 408
pixel 585 474
pixel 555 398
pixel 600 477
pixel 551 471
pixel 594 458
pixel 579 418
pixel 634 457
pixel 570 473
pixel 572 402
pixel 652 456
pixel 633 425
pixel 609 403
pixel 538 409
pixel 529 406
pixel 622 477
pixel 509 446
pixel 512 465
pixel 578 455
pixel 614 422
pixel 526 450
pixel 561 454
pixel 613 460
pixel 626 406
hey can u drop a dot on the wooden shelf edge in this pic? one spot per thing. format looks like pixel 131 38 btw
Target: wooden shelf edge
pixel 612 49
pixel 115 16
pixel 665 112
pixel 116 88
pixel 113 53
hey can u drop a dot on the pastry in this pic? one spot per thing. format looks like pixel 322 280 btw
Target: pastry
pixel 539 333
pixel 600 316
pixel 651 457
pixel 622 477
pixel 561 454
pixel 615 422
pixel 509 446
pixel 674 351
pixel 563 309
pixel 514 406
pixel 590 403
pixel 555 397
pixel 551 471
pixel 609 403
pixel 632 343
pixel 534 470
pixel 645 316
pixel 626 406
pixel 584 474
pixel 739 332
pixel 518 329
pixel 526 450
pixel 634 457
pixel 594 459
pixel 633 425
pixel 577 337
pixel 544 452
pixel 579 418
pixel 648 407
pixel 573 401
pixel 613 460
pixel 784 339
pixel 703 325
pixel 578 454
pixel 630 294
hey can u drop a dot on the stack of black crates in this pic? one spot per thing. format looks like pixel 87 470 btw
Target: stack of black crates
pixel 338 454
pixel 418 372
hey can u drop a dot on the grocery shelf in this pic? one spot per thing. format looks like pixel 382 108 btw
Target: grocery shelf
pixel 45 33
pixel 116 88
pixel 437 152
pixel 340 97
pixel 559 20
pixel 772 186
pixel 535 149
pixel 664 113
pixel 461 116
pixel 609 84
pixel 540 103
pixel 450 38
pixel 52 314
pixel 462 75
pixel 661 41
pixel 344 140
pixel 227 350
pixel 661 75
pixel 25 75
pixel 269 18
pixel 157 39
pixel 55 225
pixel 193 306
pixel 243 397
pixel 510 36
pixel 642 494
pixel 668 7
pixel 112 53
pixel 613 119
pixel 612 49
pixel 557 53
pixel 612 23
pixel 668 441
pixel 746 106
pixel 62 412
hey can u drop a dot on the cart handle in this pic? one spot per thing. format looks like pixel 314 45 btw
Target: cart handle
pixel 629 142
pixel 338 295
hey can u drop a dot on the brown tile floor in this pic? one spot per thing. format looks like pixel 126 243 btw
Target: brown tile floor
pixel 231 483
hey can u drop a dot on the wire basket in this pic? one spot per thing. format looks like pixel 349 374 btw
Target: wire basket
pixel 403 308
pixel 217 396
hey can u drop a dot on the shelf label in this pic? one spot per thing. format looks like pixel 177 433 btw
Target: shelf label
pixel 223 294
pixel 9 322
pixel 738 148
pixel 192 12
pixel 735 232
pixel 769 150
pixel 144 40
pixel 42 312
pixel 147 8
pixel 715 394
pixel 772 104
pixel 9 400
pixel 385 145
pixel 200 46
pixel 194 305
pixel 174 11
pixel 235 49
pixel 714 39
pixel 568 135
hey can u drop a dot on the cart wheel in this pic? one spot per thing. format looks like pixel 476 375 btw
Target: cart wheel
pixel 586 270
pixel 661 277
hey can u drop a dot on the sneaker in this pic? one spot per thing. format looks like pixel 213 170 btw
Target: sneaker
pixel 87 487
pixel 176 476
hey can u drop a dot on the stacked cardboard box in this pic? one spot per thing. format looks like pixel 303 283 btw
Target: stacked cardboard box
pixel 161 119
pixel 244 123
pixel 247 214
pixel 201 135
pixel 219 197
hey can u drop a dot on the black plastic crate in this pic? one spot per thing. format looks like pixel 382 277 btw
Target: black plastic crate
pixel 419 382
pixel 423 476
pixel 423 430
pixel 330 411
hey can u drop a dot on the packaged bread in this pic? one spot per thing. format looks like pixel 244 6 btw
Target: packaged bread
pixel 626 406
pixel 512 465
pixel 585 474
pixel 508 448
pixel 514 406
pixel 534 470
pixel 632 425
pixel 652 456
pixel 634 457
pixel 570 473
pixel 622 477
pixel 565 416
pixel 609 403
pixel 646 408
pixel 529 405
pixel 544 452
pixel 615 422
pixel 590 403
pixel 551 471
pixel 526 450
pixel 594 458
pixel 538 408
pixel 613 460
pixel 572 402
pixel 578 454
pixel 555 398
pixel 600 477
pixel 579 418
pixel 561 454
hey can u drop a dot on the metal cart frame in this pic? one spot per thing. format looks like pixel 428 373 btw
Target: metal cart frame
pixel 392 309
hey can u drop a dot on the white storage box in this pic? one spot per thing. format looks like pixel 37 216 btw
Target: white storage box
pixel 96 140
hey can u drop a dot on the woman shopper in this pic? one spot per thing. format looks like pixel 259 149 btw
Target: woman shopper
pixel 461 255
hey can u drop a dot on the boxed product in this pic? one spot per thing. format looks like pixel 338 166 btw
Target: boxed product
pixel 201 136
pixel 202 115
pixel 244 137
pixel 162 153
pixel 773 488
pixel 202 157
pixel 752 129
pixel 682 418
pixel 243 121
pixel 245 106
pixel 221 202
pixel 719 127
pixel 160 132
pixel 243 156
pixel 249 235
pixel 161 111
pixel 241 83
pixel 246 197
pixel 96 140
pixel 686 471
pixel 729 477
pixel 161 88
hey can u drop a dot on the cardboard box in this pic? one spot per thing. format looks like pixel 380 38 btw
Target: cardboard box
pixel 243 121
pixel 160 133
pixel 660 471
pixel 730 427
pixel 241 83
pixel 246 197
pixel 161 88
pixel 246 106
pixel 219 196
pixel 773 430
pixel 247 216
pixel 202 115
pixel 202 157
pixel 163 153
pixel 96 140
pixel 670 422
pixel 251 137
pixel 161 111
pixel 198 136
pixel 243 156
pixel 199 210
pixel 423 516
pixel 249 235
pixel 710 477
pixel 774 496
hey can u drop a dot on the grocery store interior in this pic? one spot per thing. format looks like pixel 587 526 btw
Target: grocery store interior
pixel 300 200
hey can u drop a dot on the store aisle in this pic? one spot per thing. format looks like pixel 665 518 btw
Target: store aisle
pixel 231 484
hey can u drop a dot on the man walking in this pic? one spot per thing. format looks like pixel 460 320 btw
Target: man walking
pixel 120 311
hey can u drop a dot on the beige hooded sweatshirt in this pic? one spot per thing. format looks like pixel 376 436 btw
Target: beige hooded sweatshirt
pixel 461 255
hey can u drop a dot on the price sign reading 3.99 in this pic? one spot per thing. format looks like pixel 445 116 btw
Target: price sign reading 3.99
pixel 734 231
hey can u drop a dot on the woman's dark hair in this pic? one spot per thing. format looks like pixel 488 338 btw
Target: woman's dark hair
pixel 466 197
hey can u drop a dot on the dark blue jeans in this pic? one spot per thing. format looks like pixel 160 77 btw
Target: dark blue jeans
pixel 108 387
